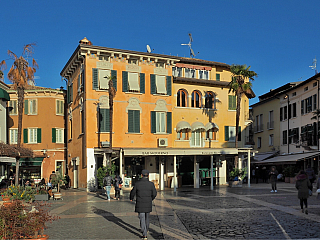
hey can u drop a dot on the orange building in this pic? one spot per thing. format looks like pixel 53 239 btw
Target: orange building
pixel 43 125
pixel 167 111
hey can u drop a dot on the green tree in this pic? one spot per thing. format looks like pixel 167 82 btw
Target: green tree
pixel 21 74
pixel 239 85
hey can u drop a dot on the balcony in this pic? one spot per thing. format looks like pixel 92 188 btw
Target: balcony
pixel 258 128
pixel 270 125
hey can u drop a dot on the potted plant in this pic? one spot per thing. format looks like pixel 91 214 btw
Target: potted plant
pixel 236 177
pixel 21 221
pixel 289 173
pixel 20 193
pixel 41 195
pixel 58 180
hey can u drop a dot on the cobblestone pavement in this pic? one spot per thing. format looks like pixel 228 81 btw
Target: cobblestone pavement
pixel 224 213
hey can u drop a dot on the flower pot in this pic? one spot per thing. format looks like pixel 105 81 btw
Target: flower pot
pixel 43 237
pixel 6 201
pixel 235 183
pixel 57 196
pixel 41 197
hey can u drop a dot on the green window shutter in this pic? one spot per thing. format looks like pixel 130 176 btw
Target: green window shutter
pixel 136 119
pixel 54 135
pixel 25 135
pixel 153 121
pixel 218 76
pixel 124 81
pixel 107 120
pixel 114 78
pixel 39 135
pixel 153 87
pixel 169 85
pixel 130 121
pixel 232 102
pixel 142 83
pixel 239 133
pixel 95 73
pixel 104 120
pixel 26 107
pixel 226 133
pixel 169 122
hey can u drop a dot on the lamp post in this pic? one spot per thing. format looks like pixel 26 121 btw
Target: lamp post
pixel 287 97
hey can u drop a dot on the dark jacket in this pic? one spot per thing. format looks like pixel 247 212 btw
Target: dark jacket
pixel 310 173
pixel 116 182
pixel 107 180
pixel 303 185
pixel 145 192
pixel 273 175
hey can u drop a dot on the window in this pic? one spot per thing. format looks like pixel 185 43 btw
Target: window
pixel 302 107
pixel 271 122
pixel 60 166
pixel 306 89
pixel 281 114
pixel 32 135
pixel 57 135
pixel 104 120
pixel 81 80
pixel 285 113
pixel 181 98
pixel 177 71
pixel 211 134
pixel 315 84
pixel 196 99
pixel 196 138
pixel 101 77
pixel 161 122
pixel 160 84
pixel 183 134
pixel 133 82
pixel 217 76
pixel 314 102
pixel 230 133
pixel 271 140
pixel 134 121
pixel 13 104
pixel 30 107
pixel 259 142
pixel 160 65
pixel 70 93
pixel 294 110
pixel 209 100
pixel 82 124
pixel 289 111
pixel 59 107
pixel 70 122
pixel 232 104
pixel 13 135
pixel 284 137
pixel 294 94
pixel 203 74
pixel 308 104
pixel 190 73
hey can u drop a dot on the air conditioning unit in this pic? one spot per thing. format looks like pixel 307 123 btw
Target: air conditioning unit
pixel 163 142
pixel 105 144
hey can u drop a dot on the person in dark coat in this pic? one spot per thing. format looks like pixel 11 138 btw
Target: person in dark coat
pixel 117 181
pixel 303 185
pixel 273 178
pixel 311 175
pixel 145 193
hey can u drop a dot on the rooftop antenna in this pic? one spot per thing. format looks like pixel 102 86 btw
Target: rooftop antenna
pixel 189 44
pixel 149 49
pixel 314 65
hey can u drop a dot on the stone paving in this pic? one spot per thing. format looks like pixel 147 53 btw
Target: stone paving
pixel 224 213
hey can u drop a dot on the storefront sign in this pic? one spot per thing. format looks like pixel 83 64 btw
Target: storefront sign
pixel 178 151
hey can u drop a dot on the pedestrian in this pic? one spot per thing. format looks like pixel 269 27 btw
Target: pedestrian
pixel 117 183
pixel 311 175
pixel 273 178
pixel 303 185
pixel 67 181
pixel 52 176
pixel 107 183
pixel 318 186
pixel 145 193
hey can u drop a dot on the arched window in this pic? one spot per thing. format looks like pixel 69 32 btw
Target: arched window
pixel 196 99
pixel 182 98
pixel 209 100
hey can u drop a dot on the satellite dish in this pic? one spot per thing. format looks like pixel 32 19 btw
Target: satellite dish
pixel 149 49
pixel 189 44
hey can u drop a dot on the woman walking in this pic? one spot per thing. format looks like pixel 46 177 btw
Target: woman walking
pixel 273 178
pixel 303 185
pixel 117 181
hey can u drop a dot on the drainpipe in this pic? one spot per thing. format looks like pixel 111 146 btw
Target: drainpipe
pixel 287 96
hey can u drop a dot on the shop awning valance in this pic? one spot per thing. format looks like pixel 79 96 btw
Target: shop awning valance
pixel 37 161
pixel 4 94
pixel 210 126
pixel 7 160
pixel 182 125
pixel 197 126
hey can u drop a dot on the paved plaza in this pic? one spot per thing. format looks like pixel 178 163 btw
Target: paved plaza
pixel 224 213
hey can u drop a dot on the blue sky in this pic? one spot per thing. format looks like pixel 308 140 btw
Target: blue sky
pixel 278 39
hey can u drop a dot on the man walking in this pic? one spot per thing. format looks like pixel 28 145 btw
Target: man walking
pixel 107 182
pixel 145 192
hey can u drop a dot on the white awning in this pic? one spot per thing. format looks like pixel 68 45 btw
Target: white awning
pixel 133 81
pixel 182 125
pixel 161 84
pixel 290 158
pixel 7 159
pixel 104 76
pixel 197 125
pixel 210 126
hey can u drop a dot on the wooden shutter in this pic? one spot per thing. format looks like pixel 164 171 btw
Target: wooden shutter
pixel 153 87
pixel 226 133
pixel 130 121
pixel 95 73
pixel 38 135
pixel 217 76
pixel 169 122
pixel 169 85
pixel 114 78
pixel 153 121
pixel 136 119
pixel 25 135
pixel 124 81
pixel 142 83
pixel 26 107
pixel 54 140
pixel 104 121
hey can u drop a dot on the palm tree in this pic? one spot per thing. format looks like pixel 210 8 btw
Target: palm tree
pixel 2 67
pixel 21 74
pixel 239 85
pixel 112 94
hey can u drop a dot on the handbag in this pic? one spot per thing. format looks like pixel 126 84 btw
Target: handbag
pixel 120 186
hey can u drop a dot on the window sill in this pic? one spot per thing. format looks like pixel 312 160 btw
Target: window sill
pixel 182 140
pixel 161 133
pixel 211 140
pixel 162 95
pixel 232 110
pixel 134 133
pixel 137 93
